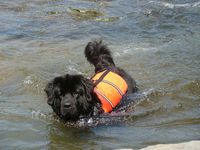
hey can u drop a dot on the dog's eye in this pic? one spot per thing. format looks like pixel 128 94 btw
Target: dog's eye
pixel 57 93
pixel 78 93
pixel 75 94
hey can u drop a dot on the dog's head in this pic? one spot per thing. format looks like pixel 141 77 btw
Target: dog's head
pixel 70 96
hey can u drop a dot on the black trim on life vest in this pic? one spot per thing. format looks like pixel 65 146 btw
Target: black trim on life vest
pixel 113 85
pixel 97 91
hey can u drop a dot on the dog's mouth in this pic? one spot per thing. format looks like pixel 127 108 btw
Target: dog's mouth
pixel 68 117
pixel 68 112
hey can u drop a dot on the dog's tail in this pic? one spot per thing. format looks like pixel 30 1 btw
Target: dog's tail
pixel 96 51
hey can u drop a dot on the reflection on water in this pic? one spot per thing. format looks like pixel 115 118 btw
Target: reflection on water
pixel 157 42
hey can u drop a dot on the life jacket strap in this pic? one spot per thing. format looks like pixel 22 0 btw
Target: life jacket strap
pixel 101 77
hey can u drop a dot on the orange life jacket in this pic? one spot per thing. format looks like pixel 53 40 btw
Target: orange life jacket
pixel 109 88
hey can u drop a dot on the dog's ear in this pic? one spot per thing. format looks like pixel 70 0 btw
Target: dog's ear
pixel 87 88
pixel 49 90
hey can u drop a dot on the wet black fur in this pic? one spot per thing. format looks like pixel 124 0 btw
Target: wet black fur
pixel 71 96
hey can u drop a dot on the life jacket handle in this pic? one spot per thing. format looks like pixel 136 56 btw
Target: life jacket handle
pixel 101 77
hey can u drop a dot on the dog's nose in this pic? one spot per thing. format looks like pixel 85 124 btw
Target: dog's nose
pixel 67 105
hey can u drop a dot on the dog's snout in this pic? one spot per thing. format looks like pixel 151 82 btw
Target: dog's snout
pixel 67 105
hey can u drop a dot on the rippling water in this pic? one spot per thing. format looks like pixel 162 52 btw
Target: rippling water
pixel 156 41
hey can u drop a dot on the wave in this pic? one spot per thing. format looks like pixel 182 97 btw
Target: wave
pixel 171 5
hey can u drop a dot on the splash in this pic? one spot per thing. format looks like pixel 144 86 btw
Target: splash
pixel 38 115
pixel 121 115
pixel 28 80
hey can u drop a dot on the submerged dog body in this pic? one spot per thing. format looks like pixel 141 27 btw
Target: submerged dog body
pixel 72 96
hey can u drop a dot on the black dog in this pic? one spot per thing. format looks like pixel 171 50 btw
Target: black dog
pixel 73 96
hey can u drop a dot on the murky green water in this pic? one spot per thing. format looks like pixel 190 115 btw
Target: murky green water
pixel 156 41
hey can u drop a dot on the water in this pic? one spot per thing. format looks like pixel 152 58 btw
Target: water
pixel 156 41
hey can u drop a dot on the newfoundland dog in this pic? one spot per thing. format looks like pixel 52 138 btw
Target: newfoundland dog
pixel 73 96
